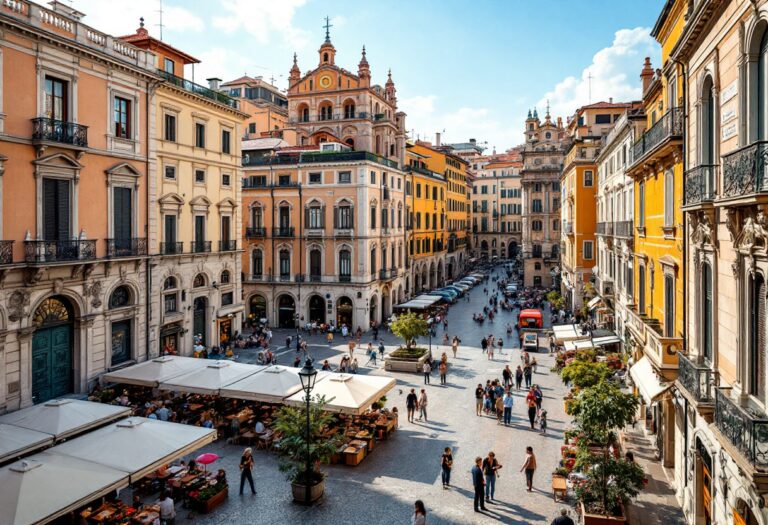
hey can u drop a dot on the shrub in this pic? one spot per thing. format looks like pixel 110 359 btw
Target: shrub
pixel 414 352
pixel 409 327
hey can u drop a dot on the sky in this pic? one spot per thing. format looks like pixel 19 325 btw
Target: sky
pixel 467 70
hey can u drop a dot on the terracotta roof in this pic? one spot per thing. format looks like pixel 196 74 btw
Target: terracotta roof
pixel 607 105
pixel 241 80
pixel 143 40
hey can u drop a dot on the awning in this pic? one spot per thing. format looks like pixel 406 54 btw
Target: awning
pixel 347 394
pixel 63 418
pixel 155 371
pixel 606 340
pixel 646 381
pixel 210 379
pixel 586 344
pixel 43 487
pixel 136 445
pixel 17 441
pixel 568 332
pixel 592 304
pixel 271 385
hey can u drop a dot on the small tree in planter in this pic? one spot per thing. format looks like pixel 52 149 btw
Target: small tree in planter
pixel 584 374
pixel 292 424
pixel 611 482
pixel 410 327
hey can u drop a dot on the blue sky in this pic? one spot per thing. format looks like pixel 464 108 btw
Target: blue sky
pixel 471 69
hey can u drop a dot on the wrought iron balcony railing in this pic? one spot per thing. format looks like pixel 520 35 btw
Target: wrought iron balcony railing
pixel 345 278
pixel 197 89
pixel 61 131
pixel 387 274
pixel 669 126
pixel 317 157
pixel 255 233
pixel 59 251
pixel 6 252
pixel 283 231
pixel 227 246
pixel 171 248
pixel 623 229
pixel 700 184
pixel 744 170
pixel 201 246
pixel 131 247
pixel 745 429
pixel 315 277
pixel 697 377
pixel 300 277
pixel 284 277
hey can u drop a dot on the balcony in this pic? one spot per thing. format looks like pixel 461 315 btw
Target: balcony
pixel 623 229
pixel 604 228
pixel 6 252
pixel 385 274
pixel 668 128
pixel 699 185
pixel 744 171
pixel 334 116
pixel 315 278
pixel 745 430
pixel 201 246
pixel 284 232
pixel 318 157
pixel 227 246
pixel 197 89
pixel 314 232
pixel 253 181
pixel 51 130
pixel 171 248
pixel 697 378
pixel 284 278
pixel 345 278
pixel 299 277
pixel 126 247
pixel 255 233
pixel 344 233
pixel 59 251
pixel 256 277
pixel 568 228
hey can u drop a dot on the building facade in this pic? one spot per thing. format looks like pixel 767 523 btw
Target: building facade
pixel 194 220
pixel 614 281
pixel 721 470
pixel 325 236
pixel 543 153
pixel 265 104
pixel 74 161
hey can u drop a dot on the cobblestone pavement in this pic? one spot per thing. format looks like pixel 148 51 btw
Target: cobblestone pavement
pixel 381 490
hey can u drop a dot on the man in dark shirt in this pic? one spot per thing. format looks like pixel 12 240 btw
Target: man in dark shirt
pixel 484 344
pixel 479 483
pixel 411 402
pixel 563 518
pixel 479 399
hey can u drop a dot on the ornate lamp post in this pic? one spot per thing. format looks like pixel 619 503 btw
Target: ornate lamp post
pixel 308 376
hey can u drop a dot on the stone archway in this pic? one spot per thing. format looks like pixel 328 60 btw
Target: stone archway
pixel 286 311
pixel 316 309
pixel 344 312
pixel 386 305
pixel 373 308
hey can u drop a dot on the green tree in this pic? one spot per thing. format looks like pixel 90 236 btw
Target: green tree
pixel 555 299
pixel 409 327
pixel 584 374
pixel 292 423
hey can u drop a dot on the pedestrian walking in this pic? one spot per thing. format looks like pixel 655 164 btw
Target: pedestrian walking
pixel 411 401
pixel 501 346
pixel 371 356
pixel 518 377
pixel 543 421
pixel 419 513
pixel 167 509
pixel 246 465
pixel 446 464
pixel 530 400
pixel 423 405
pixel 478 483
pixel 479 394
pixel 288 342
pixel 491 471
pixel 381 350
pixel 351 347
pixel 329 338
pixel 509 402
pixel 490 350
pixel 506 376
pixel 499 406
pixel 455 346
pixel 563 518
pixel 446 339
pixel 484 344
pixel 527 375
pixel 534 365
pixel 443 371
pixel 537 396
pixel 427 370
pixel 529 466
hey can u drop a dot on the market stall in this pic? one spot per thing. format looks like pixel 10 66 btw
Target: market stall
pixel 64 418
pixel 347 394
pixel 45 486
pixel 270 385
pixel 17 441
pixel 209 379
pixel 155 371
pixel 568 332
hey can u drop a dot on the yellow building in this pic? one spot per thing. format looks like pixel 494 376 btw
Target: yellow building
pixel 194 222
pixel 425 194
pixel 656 321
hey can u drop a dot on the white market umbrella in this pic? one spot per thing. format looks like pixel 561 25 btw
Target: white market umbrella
pixel 347 393
pixel 155 371
pixel 210 379
pixel 63 418
pixel 17 441
pixel 270 385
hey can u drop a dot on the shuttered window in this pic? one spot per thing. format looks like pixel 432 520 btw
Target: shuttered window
pixel 669 306
pixel 56 210
pixel 122 215
pixel 641 205
pixel 641 289
pixel 345 263
pixel 226 229
pixel 314 262
pixel 669 199
pixel 757 337
pixel 170 229
pixel 257 263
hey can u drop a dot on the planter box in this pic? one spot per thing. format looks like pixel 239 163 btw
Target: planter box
pixel 399 364
pixel 300 492
pixel 211 503
pixel 599 519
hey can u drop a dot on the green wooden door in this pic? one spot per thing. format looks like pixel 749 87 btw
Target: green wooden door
pixel 51 363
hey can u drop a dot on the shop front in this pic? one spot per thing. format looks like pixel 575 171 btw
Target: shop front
pixel 169 339
pixel 224 330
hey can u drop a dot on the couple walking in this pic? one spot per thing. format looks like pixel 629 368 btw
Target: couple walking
pixel 485 472
pixel 413 402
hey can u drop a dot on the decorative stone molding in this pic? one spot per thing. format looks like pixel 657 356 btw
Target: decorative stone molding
pixel 732 222
pixel 702 229
pixel 17 305
pixel 33 276
pixel 753 234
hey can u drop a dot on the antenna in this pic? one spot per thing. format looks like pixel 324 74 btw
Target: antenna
pixel 160 11
pixel 589 86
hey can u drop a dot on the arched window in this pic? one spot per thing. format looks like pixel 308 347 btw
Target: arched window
pixel 52 311
pixel 757 336
pixel 708 137
pixel 257 217
pixel 349 110
pixel 285 264
pixel 325 57
pixel 199 281
pixel 548 135
pixel 345 264
pixel 373 217
pixel 226 277
pixel 170 283
pixel 373 260
pixel 305 114
pixel 326 112
pixel 706 311
pixel 120 297
pixel 257 264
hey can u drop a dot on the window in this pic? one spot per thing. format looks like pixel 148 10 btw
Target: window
pixel 314 218
pixel 170 127
pixel 373 217
pixel 555 203
pixel 757 305
pixel 225 140
pixel 199 135
pixel 199 281
pixel 706 311
pixel 345 263
pixel 56 98
pixel 344 217
pixel 122 109
pixel 484 190
pixel 537 206
pixel 588 250
pixel 641 205
pixel 602 119
pixel 226 277
pixel 555 225
pixel 536 226
pixel 200 176
pixel 170 172
pixel 588 178
pixel 169 302
pixel 373 260
pixel 669 306
pixel 555 186
pixel 418 191
pixel 345 177
pixel 257 263
pixel 251 126
pixel 57 209
pixel 226 179
pixel 283 180
pixel 227 298
pixel 168 66
pixel 669 199
pixel 285 264
pixel 120 297
pixel 315 177
pixel 537 187
pixel 373 177
pixel 641 289
pixel 537 266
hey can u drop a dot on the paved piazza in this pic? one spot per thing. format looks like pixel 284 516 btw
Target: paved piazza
pixel 381 490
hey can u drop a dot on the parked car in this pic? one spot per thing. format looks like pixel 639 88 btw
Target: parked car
pixel 463 286
pixel 469 282
pixel 455 288
pixel 530 342
pixel 453 293
pixel 444 294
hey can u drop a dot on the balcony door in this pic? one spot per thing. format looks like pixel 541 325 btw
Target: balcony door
pixel 122 215
pixel 284 218
pixel 199 232
pixel 170 231
pixel 56 210
pixel 56 98
pixel 226 229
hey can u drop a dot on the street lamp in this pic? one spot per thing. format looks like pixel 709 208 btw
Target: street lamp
pixel 429 329
pixel 308 376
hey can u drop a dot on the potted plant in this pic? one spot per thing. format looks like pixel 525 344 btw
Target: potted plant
pixel 611 482
pixel 409 358
pixel 584 374
pixel 294 449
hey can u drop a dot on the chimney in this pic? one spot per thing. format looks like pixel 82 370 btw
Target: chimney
pixel 610 100
pixel 437 139
pixel 472 141
pixel 213 83
pixel 646 75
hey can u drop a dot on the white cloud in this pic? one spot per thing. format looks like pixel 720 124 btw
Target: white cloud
pixel 614 74
pixel 418 106
pixel 121 17
pixel 263 19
